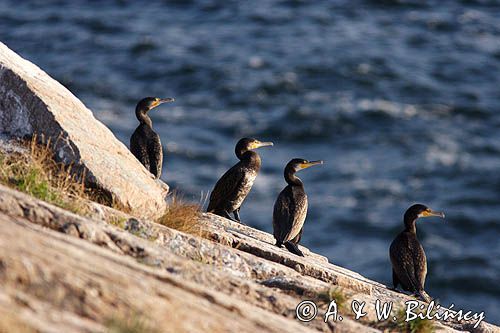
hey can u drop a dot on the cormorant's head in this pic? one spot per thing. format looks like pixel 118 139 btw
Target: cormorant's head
pixel 247 144
pixel 149 103
pixel 419 210
pixel 298 164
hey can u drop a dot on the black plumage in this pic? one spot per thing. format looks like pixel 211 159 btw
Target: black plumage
pixel 145 143
pixel 290 208
pixel 409 263
pixel 232 188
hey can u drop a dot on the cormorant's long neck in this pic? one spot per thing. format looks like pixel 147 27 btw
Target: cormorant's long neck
pixel 410 224
pixel 250 157
pixel 142 116
pixel 291 178
pixel 240 153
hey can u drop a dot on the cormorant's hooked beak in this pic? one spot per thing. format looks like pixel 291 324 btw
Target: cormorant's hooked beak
pixel 258 144
pixel 159 101
pixel 430 212
pixel 310 164
pixel 166 100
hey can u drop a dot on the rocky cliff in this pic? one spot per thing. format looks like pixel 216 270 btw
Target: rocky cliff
pixel 117 270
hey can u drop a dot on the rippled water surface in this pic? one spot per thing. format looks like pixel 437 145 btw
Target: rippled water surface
pixel 400 98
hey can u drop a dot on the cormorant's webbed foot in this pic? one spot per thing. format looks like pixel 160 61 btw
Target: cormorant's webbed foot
pixel 236 214
pixel 294 248
pixel 237 218
pixel 279 244
pixel 223 213
pixel 228 216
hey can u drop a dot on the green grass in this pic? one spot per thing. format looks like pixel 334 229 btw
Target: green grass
pixel 401 326
pixel 334 293
pixel 416 325
pixel 35 185
pixel 36 173
pixel 118 221
pixel 131 324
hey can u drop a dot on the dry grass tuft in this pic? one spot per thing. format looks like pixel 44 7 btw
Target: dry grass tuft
pixel 39 175
pixel 182 216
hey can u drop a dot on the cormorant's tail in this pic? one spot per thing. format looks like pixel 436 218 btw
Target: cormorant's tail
pixel 424 296
pixel 213 211
pixel 294 248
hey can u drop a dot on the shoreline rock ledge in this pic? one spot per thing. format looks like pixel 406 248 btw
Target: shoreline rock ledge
pixel 33 103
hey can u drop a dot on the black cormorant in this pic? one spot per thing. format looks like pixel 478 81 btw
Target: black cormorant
pixel 290 208
pixel 145 143
pixel 409 264
pixel 233 187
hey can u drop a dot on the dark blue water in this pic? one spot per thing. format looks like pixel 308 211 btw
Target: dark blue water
pixel 400 98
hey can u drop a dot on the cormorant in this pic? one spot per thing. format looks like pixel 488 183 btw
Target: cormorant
pixel 145 143
pixel 290 208
pixel 409 264
pixel 233 187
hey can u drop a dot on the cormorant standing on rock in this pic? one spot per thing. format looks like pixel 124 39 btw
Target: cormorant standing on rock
pixel 233 187
pixel 409 264
pixel 290 208
pixel 145 143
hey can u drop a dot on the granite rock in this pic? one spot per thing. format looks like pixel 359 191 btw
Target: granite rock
pixel 33 103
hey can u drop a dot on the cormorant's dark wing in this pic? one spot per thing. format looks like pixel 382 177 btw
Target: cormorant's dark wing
pixel 226 187
pixel 408 262
pixel 420 266
pixel 139 148
pixel 289 214
pixel 297 238
pixel 155 153
pixel 282 214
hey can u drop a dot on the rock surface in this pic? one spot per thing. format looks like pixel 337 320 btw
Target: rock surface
pixel 31 102
pixel 82 289
pixel 81 272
